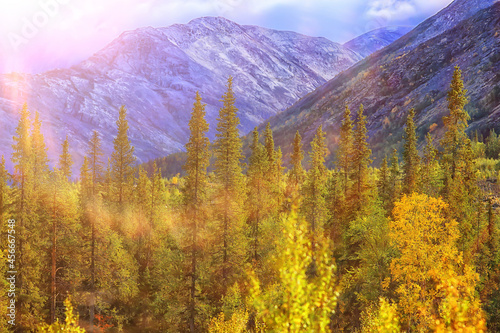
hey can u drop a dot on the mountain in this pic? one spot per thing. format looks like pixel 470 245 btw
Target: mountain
pixel 375 40
pixel 413 72
pixel 155 73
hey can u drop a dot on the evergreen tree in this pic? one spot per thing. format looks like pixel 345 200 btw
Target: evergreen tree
pixel 383 184
pixel 360 161
pixel 345 149
pixel 122 159
pixel 460 188
pixel 269 143
pixel 411 159
pixel 394 180
pixel 430 168
pixel 229 245
pixel 40 161
pixel 65 160
pixel 95 163
pixel 258 196
pixel 195 195
pixel 297 172
pixel 455 139
pixel 313 190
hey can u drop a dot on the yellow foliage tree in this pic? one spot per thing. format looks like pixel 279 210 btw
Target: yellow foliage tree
pixel 70 325
pixel 305 296
pixel 428 259
pixel 382 320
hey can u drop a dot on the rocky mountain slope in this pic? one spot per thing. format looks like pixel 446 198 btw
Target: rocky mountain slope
pixel 155 73
pixel 413 72
pixel 375 40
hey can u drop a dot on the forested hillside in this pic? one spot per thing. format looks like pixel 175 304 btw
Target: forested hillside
pixel 412 246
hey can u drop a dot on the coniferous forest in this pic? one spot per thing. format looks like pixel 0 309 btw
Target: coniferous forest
pixel 412 245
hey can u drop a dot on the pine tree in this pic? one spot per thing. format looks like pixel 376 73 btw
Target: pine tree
pixel 258 196
pixel 360 161
pixel 345 149
pixel 430 168
pixel 269 143
pixel 122 159
pixel 40 161
pixel 85 180
pixel 230 197
pixel 95 163
pixel 411 159
pixel 460 188
pixel 65 160
pixel 394 180
pixel 455 139
pixel 195 195
pixel 313 190
pixel 297 172
pixel 383 184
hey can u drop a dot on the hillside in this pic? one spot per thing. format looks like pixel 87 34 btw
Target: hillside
pixel 408 74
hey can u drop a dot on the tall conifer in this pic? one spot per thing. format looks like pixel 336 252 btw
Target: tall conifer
pixel 194 193
pixel 122 159
pixel 411 160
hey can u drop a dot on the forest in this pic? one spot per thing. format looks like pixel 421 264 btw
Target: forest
pixel 410 246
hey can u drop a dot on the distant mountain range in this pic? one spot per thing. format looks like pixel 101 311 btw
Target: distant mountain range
pixel 376 39
pixel 413 72
pixel 155 73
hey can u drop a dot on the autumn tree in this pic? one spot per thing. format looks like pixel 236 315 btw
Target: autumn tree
pixel 460 189
pixel 297 172
pixel 345 149
pixel 65 160
pixel 360 161
pixel 313 190
pixel 228 237
pixel 258 191
pixel 122 159
pixel 299 302
pixel 40 161
pixel 195 195
pixel 411 159
pixel 426 240
pixel 430 170
pixel 95 154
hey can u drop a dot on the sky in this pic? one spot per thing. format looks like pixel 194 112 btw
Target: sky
pixel 38 35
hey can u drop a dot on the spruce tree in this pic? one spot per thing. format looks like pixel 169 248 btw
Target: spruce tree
pixel 360 161
pixel 460 188
pixel 313 190
pixel 411 159
pixel 258 198
pixel 383 183
pixel 345 149
pixel 297 172
pixel 65 160
pixel 430 168
pixel 122 159
pixel 269 143
pixel 40 161
pixel 229 244
pixel 95 163
pixel 194 196
pixel 394 180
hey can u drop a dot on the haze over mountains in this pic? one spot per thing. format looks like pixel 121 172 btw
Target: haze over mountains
pixel 413 72
pixel 155 74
